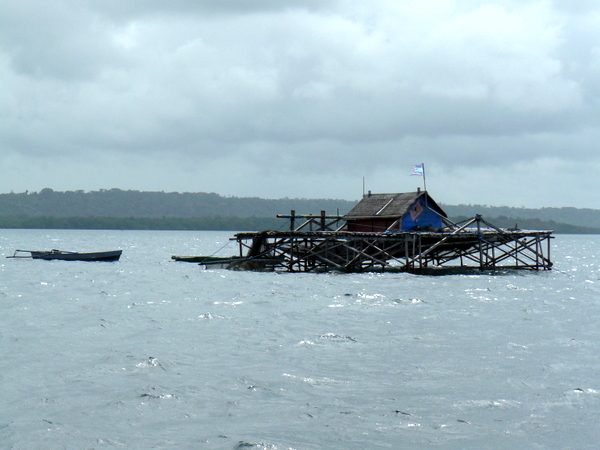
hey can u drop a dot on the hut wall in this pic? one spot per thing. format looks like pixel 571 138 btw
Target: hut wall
pixel 420 216
pixel 369 225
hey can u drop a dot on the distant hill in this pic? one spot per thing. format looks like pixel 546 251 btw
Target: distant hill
pixel 583 217
pixel 119 209
pixel 119 203
pixel 533 224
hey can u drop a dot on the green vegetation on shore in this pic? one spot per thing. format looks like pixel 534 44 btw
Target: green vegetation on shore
pixel 142 223
pixel 135 210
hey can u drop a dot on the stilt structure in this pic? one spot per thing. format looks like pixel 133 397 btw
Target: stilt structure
pixel 475 244
pixel 391 232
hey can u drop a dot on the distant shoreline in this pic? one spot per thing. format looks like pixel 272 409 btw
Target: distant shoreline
pixel 231 223
pixel 131 210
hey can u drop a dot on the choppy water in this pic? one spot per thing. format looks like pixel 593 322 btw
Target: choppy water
pixel 151 353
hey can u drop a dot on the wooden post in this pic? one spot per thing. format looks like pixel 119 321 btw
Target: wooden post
pixel 478 218
pixel 548 255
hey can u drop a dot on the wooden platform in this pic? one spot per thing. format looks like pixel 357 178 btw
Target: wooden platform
pixel 474 244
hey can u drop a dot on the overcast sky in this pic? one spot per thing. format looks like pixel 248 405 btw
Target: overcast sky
pixel 304 98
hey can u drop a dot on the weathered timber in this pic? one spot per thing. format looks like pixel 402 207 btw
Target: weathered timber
pixel 321 244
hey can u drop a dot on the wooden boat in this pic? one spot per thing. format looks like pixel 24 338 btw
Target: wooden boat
pixel 206 259
pixel 231 262
pixel 112 255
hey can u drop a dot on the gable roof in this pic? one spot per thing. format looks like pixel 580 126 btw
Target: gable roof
pixel 389 205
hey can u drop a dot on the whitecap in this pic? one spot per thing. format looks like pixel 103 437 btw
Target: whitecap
pixel 306 343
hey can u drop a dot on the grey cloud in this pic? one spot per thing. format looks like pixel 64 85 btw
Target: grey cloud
pixel 120 10
pixel 55 39
pixel 336 87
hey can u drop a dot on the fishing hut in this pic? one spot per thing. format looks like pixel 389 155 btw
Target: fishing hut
pixel 404 232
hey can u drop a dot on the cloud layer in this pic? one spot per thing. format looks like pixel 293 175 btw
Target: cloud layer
pixel 498 98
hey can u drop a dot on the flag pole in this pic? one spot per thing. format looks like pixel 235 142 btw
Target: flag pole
pixel 424 180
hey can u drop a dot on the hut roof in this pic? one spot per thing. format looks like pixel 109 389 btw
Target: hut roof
pixel 389 205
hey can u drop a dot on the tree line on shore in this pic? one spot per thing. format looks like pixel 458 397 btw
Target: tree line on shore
pixel 120 203
pixel 141 223
pixel 119 209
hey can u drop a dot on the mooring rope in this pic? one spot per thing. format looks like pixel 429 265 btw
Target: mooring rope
pixel 219 249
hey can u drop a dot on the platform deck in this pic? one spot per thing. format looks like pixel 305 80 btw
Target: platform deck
pixel 475 244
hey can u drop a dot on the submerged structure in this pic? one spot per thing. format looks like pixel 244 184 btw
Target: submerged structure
pixel 405 232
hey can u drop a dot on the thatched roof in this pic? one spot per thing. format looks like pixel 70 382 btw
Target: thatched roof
pixel 389 205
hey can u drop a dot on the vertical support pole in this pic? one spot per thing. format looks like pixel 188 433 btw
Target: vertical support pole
pixel 322 220
pixel 420 255
pixel 478 219
pixel 406 251
pixel 548 239
pixel 292 220
pixel 414 250
pixel 292 242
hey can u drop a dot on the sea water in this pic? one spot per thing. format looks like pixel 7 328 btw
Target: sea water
pixel 148 353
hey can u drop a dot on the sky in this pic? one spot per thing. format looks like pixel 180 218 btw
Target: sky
pixel 499 99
